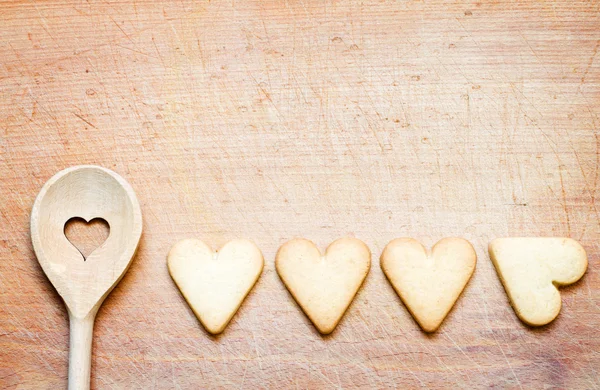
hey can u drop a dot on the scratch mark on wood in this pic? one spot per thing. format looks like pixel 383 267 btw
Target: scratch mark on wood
pixel 85 120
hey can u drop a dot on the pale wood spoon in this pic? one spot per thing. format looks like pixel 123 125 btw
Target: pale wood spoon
pixel 87 192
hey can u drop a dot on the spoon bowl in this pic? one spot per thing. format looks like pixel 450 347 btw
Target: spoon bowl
pixel 87 192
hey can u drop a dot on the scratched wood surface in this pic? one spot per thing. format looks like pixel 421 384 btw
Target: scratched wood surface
pixel 320 119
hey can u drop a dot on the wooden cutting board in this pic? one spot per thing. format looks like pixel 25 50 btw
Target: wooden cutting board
pixel 270 120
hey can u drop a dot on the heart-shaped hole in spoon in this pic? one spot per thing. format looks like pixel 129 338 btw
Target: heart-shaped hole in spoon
pixel 86 236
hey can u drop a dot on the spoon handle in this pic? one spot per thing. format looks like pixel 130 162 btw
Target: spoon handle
pixel 80 351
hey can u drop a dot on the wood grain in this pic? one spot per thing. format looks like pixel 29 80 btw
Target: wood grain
pixel 270 120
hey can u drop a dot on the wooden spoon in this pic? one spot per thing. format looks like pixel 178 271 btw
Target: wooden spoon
pixel 87 192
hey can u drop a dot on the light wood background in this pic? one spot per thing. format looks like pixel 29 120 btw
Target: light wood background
pixel 320 119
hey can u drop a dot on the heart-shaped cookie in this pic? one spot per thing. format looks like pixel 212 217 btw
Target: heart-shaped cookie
pixel 323 285
pixel 215 283
pixel 428 283
pixel 531 268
